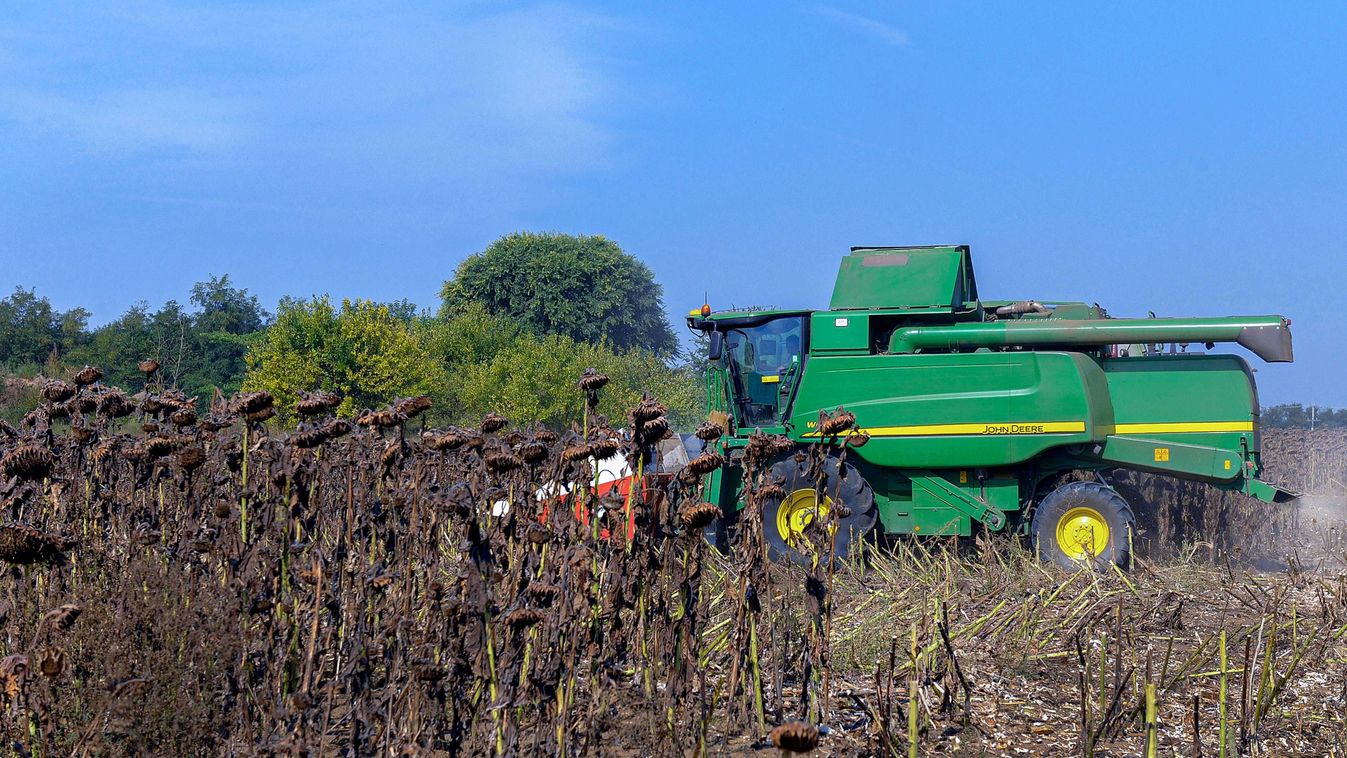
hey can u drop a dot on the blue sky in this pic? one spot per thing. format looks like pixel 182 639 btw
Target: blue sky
pixel 1186 158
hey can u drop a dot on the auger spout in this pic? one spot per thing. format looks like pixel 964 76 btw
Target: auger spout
pixel 1268 337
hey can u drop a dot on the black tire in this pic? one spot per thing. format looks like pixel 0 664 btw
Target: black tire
pixel 1067 511
pixel 843 485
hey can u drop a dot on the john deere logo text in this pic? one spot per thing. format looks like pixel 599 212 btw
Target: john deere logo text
pixel 1013 429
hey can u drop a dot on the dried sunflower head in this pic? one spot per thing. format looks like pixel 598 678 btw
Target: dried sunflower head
pixel 795 737
pixel 541 592
pixel 88 375
pixel 413 406
pixel 160 446
pixel 450 440
pixel 191 458
pixel 522 618
pixel 533 452
pixel 336 428
pixel 592 381
pixel 251 402
pixel 605 448
pixel 858 439
pixel 705 463
pixel 388 418
pixel 103 450
pixel 13 675
pixel 312 404
pixel 501 461
pixel 537 533
pixel 646 410
pixel 493 422
pixel 837 423
pixel 23 544
pixel 257 417
pixel 654 430
pixel 148 366
pixel 151 404
pixel 709 432
pixel 114 404
pixel 698 516
pixel 309 438
pixel 28 462
pixel 58 391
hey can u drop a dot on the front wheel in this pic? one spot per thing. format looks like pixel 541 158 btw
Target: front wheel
pixel 847 501
pixel 1084 523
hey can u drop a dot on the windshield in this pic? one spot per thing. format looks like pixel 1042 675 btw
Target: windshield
pixel 763 361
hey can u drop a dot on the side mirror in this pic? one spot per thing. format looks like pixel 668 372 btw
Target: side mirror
pixel 716 350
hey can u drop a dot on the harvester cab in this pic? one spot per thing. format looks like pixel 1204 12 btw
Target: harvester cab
pixel 976 411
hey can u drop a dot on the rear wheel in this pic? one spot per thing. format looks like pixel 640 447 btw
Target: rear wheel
pixel 786 520
pixel 1084 523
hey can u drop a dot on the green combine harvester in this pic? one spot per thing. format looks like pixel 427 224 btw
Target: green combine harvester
pixel 979 413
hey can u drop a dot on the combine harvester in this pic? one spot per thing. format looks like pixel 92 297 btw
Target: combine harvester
pixel 977 411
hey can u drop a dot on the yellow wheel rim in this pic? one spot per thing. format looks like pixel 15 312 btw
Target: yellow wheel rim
pixel 1082 533
pixel 797 512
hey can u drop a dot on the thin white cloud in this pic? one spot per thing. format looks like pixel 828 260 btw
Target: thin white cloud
pixel 130 120
pixel 455 93
pixel 886 33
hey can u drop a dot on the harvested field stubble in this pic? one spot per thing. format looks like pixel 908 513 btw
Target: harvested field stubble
pixel 224 588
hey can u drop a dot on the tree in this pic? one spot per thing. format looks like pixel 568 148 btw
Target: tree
pixel 534 379
pixel 585 288
pixel 1297 415
pixel 227 309
pixel 229 322
pixel 362 351
pixel 198 351
pixel 167 335
pixel 31 329
pixel 469 336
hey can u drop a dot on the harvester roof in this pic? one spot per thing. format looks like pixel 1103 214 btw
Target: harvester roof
pixel 935 276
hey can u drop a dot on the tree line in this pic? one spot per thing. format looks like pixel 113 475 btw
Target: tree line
pixel 1307 416
pixel 516 324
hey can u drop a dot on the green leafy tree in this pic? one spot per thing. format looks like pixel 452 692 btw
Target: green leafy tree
pixel 534 379
pixel 1297 415
pixel 31 330
pixel 199 350
pixel 469 336
pixel 228 322
pixel 361 350
pixel 224 308
pixel 585 288
pixel 167 335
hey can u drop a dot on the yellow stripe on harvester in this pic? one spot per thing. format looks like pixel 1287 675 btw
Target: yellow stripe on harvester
pixel 1048 427
pixel 982 428
pixel 1184 427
